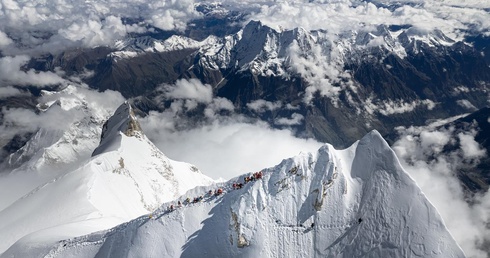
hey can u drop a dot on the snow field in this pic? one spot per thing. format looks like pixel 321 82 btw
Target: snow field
pixel 352 203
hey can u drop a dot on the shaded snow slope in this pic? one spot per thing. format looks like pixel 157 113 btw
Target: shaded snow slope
pixel 126 178
pixel 56 147
pixel 357 202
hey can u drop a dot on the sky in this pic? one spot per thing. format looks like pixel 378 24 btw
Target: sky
pixel 228 146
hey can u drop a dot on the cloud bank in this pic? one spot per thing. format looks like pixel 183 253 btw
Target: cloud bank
pixel 46 26
pixel 423 155
pixel 223 145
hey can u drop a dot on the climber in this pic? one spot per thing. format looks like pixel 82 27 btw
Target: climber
pixel 179 204
pixel 360 220
pixel 210 192
pixel 219 191
pixel 234 186
pixel 171 207
pixel 188 200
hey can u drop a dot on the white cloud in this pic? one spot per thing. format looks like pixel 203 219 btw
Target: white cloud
pixel 53 25
pixel 186 95
pixel 4 39
pixel 9 91
pixel 420 150
pixel 471 149
pixel 340 16
pixel 466 104
pixel 57 25
pixel 94 32
pixel 318 68
pixel 391 107
pixel 173 15
pixel 55 118
pixel 191 89
pixel 296 119
pixel 224 149
pixel 65 108
pixel 261 105
pixel 11 73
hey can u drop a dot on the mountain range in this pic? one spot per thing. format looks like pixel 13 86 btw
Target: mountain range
pixel 80 178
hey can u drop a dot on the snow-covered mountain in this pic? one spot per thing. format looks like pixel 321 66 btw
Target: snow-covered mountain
pixel 127 176
pixel 381 75
pixel 266 51
pixel 333 203
pixel 133 47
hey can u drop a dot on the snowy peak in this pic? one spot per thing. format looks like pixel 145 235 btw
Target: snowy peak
pixel 333 203
pixel 123 121
pixel 259 49
pixel 126 177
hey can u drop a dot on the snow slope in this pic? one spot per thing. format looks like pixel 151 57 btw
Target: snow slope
pixel 357 202
pixel 126 177
pixel 71 123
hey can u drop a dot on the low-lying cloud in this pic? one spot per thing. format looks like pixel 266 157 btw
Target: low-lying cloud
pixel 47 26
pixel 225 149
pixel 423 154
pixel 222 146
pixel 12 74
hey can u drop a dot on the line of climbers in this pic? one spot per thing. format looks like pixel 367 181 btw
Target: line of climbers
pixel 219 191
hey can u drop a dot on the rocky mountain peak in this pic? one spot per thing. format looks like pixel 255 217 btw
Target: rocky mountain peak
pixel 123 121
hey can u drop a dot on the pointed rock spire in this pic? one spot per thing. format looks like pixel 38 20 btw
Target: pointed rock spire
pixel 123 121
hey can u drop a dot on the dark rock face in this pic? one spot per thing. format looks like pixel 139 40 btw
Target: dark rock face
pixel 434 72
pixel 475 177
pixel 11 143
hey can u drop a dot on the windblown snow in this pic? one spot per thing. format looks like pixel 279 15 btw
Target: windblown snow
pixel 357 202
pixel 126 177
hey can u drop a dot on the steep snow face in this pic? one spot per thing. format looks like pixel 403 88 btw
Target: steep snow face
pixel 356 202
pixel 127 177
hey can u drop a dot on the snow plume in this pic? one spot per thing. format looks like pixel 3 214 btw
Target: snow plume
pixel 420 150
pixel 11 73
